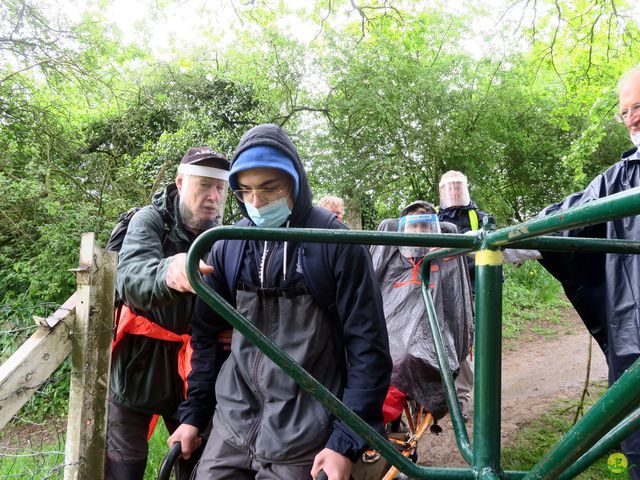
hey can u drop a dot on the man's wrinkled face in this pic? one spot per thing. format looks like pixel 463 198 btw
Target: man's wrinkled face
pixel 630 104
pixel 201 201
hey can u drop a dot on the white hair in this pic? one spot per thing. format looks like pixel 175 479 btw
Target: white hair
pixel 629 75
pixel 330 202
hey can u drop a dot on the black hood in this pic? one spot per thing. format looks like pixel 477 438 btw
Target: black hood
pixel 268 134
pixel 166 200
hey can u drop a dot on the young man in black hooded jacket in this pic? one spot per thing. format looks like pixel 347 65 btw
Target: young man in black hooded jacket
pixel 265 426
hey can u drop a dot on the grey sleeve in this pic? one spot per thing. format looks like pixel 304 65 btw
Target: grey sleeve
pixel 520 255
pixel 142 268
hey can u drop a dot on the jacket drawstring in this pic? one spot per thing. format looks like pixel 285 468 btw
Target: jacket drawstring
pixel 262 262
pixel 264 259
pixel 284 258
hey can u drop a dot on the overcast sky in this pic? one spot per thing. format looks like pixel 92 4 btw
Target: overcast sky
pixel 184 24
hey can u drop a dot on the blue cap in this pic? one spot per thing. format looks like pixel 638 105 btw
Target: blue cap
pixel 263 156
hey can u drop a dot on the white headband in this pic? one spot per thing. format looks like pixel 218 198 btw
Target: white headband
pixel 202 171
pixel 452 179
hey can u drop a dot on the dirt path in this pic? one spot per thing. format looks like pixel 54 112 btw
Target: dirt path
pixel 535 371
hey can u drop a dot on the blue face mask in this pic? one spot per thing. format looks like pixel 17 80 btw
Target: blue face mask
pixel 270 215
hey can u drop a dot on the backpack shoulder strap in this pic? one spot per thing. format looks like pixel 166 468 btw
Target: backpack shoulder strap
pixel 316 269
pixel 167 222
pixel 318 276
pixel 232 255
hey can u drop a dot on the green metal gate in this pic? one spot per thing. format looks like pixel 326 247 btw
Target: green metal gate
pixel 609 421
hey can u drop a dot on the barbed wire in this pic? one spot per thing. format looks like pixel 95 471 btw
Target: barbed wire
pixel 32 443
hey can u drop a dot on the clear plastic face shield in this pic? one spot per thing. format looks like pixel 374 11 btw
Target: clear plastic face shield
pixel 422 223
pixel 454 191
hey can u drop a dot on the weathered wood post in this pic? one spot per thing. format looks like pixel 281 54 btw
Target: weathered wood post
pixel 91 356
pixel 36 359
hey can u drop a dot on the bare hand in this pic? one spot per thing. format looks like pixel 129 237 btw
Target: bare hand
pixel 189 438
pixel 225 339
pixel 335 465
pixel 177 273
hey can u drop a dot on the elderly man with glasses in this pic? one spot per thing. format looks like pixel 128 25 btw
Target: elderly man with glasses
pixel 153 317
pixel 605 288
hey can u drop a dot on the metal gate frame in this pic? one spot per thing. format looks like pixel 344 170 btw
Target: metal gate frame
pixel 614 417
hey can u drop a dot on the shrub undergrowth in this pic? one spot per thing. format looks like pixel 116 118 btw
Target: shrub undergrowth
pixel 530 297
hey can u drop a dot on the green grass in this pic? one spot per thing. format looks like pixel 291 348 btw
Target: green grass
pixel 531 297
pixel 46 462
pixel 157 450
pixel 537 438
pixel 44 458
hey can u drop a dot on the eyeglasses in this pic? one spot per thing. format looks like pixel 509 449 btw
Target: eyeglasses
pixel 268 195
pixel 624 113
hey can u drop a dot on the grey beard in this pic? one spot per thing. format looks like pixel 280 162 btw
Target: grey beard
pixel 189 219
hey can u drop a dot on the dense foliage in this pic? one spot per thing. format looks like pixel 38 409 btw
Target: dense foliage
pixel 381 97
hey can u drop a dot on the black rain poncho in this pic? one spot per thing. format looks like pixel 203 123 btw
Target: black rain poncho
pixel 415 363
pixel 605 288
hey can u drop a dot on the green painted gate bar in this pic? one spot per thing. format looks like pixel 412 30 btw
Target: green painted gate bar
pixel 574 452
pixel 577 244
pixel 487 380
pixel 606 444
pixel 619 205
pixel 462 438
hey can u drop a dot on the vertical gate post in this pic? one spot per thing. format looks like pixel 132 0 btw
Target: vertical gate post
pixel 91 356
pixel 488 360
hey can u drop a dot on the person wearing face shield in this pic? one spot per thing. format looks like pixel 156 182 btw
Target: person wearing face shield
pixel 319 302
pixel 147 379
pixel 605 288
pixel 416 371
pixel 456 207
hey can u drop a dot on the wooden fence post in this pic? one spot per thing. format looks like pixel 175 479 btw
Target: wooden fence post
pixel 36 359
pixel 91 357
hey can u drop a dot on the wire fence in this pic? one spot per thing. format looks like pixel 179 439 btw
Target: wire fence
pixel 32 443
